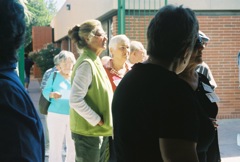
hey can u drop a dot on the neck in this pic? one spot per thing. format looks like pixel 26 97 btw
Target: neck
pixel 66 76
pixel 131 60
pixel 190 76
pixel 188 72
pixel 165 64
pixel 97 51
pixel 118 64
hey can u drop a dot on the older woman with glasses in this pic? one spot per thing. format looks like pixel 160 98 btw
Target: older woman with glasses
pixel 207 146
pixel 57 90
pixel 116 67
pixel 91 94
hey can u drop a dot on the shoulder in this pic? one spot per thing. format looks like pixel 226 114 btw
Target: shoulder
pixel 106 61
pixel 15 90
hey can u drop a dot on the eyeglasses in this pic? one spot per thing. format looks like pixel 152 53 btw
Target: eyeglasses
pixel 200 42
pixel 100 34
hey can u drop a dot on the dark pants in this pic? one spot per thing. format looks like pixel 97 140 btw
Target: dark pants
pixel 113 157
pixel 91 149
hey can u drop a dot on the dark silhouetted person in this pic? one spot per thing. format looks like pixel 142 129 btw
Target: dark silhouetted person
pixel 154 111
pixel 28 63
pixel 207 147
pixel 21 137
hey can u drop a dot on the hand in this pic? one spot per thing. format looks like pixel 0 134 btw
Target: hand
pixel 214 122
pixel 100 123
pixel 55 95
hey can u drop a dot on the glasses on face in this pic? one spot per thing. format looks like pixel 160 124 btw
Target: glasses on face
pixel 200 42
pixel 100 34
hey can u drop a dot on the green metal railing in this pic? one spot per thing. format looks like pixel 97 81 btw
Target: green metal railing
pixel 121 16
pixel 135 15
pixel 122 4
pixel 21 64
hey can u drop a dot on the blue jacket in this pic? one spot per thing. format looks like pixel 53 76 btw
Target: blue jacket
pixel 21 137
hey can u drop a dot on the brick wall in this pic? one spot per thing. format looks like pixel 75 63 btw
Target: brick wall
pixel 220 53
pixel 64 44
pixel 41 35
pixel 221 56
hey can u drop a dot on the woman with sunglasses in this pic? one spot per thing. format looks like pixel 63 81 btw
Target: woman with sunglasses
pixel 207 145
pixel 91 94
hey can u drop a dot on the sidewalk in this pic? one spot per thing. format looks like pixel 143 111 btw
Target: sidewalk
pixel 228 129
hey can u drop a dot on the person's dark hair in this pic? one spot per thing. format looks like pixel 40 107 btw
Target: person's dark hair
pixel 12 29
pixel 171 32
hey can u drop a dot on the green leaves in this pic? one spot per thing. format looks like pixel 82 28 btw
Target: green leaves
pixel 44 57
pixel 41 14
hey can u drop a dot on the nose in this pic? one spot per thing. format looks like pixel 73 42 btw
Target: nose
pixel 105 38
pixel 202 46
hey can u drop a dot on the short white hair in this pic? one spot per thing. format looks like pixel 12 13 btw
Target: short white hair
pixel 117 39
pixel 63 55
pixel 136 46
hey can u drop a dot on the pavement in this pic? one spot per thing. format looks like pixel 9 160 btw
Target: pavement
pixel 228 130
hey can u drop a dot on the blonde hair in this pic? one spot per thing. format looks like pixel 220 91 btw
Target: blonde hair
pixel 79 33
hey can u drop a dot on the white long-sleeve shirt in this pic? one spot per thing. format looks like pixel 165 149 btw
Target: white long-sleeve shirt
pixel 81 81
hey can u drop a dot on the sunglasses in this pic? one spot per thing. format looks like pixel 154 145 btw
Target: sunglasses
pixel 199 42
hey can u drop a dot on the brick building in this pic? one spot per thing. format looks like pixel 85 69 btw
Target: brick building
pixel 219 21
pixel 41 35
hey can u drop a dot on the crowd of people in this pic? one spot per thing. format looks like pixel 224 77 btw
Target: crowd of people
pixel 135 105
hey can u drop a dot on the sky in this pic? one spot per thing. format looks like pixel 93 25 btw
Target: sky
pixel 60 3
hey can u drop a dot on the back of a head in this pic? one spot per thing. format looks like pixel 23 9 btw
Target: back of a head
pixel 79 32
pixel 171 32
pixel 12 29
pixel 136 45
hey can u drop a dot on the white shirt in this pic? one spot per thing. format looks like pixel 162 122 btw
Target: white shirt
pixel 81 82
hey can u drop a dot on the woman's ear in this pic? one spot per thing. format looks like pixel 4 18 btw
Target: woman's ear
pixel 86 40
pixel 188 53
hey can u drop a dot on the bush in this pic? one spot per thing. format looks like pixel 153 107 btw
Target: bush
pixel 44 57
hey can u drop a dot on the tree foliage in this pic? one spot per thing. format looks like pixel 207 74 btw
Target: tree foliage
pixel 42 12
pixel 44 57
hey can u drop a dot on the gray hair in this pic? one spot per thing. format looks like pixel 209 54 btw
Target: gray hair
pixel 55 59
pixel 63 55
pixel 117 39
pixel 136 46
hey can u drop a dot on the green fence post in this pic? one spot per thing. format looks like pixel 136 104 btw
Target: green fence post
pixel 166 2
pixel 21 64
pixel 121 16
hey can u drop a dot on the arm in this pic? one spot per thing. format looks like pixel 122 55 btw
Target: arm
pixel 47 91
pixel 81 82
pixel 46 75
pixel 177 150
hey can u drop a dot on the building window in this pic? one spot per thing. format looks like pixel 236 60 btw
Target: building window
pixel 68 7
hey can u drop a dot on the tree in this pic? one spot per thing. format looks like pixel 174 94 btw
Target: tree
pixel 44 57
pixel 42 13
